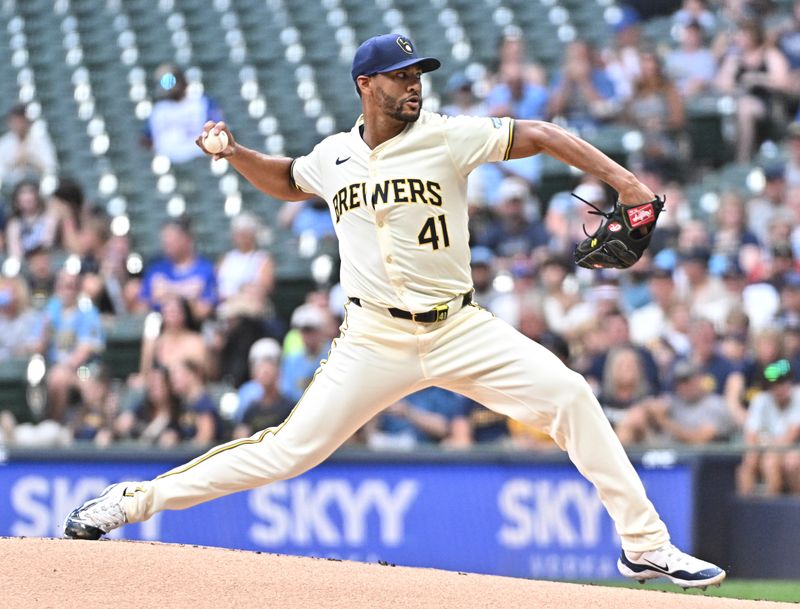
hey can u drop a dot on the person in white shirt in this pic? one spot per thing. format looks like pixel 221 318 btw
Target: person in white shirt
pixel 692 66
pixel 177 117
pixel 26 150
pixel 773 420
pixel 245 263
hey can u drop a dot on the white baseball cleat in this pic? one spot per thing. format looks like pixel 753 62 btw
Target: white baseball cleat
pixel 97 517
pixel 668 561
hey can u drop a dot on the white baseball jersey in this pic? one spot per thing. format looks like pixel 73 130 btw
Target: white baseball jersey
pixel 401 216
pixel 400 209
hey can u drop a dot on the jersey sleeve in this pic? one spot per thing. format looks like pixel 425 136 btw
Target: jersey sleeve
pixel 474 140
pixel 305 173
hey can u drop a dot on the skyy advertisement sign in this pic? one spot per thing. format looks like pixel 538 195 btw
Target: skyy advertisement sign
pixel 525 520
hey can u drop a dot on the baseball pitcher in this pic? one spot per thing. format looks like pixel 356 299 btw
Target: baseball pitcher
pixel 396 187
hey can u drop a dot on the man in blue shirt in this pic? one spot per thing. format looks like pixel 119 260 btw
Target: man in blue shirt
pixel 261 404
pixel 298 367
pixel 180 272
pixel 424 417
pixel 581 92
pixel 75 338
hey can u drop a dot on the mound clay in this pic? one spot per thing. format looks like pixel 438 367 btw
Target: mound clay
pixel 67 574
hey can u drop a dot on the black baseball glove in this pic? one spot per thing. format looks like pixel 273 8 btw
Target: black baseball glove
pixel 621 238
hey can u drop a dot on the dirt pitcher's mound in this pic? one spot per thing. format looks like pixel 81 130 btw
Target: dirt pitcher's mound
pixel 67 574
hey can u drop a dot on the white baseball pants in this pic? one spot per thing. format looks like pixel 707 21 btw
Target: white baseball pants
pixel 378 359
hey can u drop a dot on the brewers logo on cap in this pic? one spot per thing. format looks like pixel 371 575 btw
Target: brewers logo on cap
pixel 405 44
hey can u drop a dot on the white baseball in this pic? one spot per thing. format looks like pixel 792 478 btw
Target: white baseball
pixel 215 143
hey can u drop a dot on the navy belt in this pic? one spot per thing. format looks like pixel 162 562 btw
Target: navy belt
pixel 438 313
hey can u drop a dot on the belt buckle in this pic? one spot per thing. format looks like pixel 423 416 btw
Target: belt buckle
pixel 441 312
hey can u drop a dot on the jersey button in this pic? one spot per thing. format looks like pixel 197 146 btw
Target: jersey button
pixel 388 259
pixel 380 224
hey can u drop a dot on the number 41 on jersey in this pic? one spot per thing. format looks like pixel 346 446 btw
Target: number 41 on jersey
pixel 430 232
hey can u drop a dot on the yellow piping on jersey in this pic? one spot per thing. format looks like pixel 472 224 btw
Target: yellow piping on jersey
pixel 270 430
pixel 510 139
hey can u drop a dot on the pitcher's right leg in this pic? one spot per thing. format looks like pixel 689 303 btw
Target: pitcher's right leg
pixel 360 378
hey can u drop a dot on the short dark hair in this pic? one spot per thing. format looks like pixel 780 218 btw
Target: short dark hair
pixel 182 223
pixel 18 110
pixel 70 191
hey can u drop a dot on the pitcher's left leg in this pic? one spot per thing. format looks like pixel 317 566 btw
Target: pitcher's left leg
pixel 487 360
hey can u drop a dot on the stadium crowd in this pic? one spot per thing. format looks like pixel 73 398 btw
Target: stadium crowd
pixel 698 343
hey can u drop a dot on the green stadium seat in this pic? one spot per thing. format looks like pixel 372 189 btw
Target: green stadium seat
pixel 123 345
pixel 13 389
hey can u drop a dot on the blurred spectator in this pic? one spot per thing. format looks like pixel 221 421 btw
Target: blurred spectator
pixel 792 169
pixel 108 278
pixel 560 296
pixel 732 238
pixel 789 312
pixel 25 150
pixel 93 420
pixel 245 263
pixel 648 322
pixel 508 304
pixel 93 242
pixel 615 334
pixel 624 393
pixel 177 118
pixel 95 233
pixel 180 272
pixel 153 417
pixel 75 338
pixel 690 414
pixel 515 96
pixel 480 214
pixel 514 233
pixel 511 51
pixel 481 265
pixel 746 382
pixel 240 322
pixel 461 99
pixel 755 73
pixel 261 404
pixel 706 294
pixel 773 421
pixel 704 355
pixel 424 417
pixel 655 108
pixel 176 339
pixel 788 38
pixel 692 66
pixel 532 324
pixel 310 217
pixel 67 204
pixel 39 276
pixel 763 209
pixel 622 59
pixel 199 420
pixel 633 290
pixel 298 367
pixel 484 426
pixel 122 273
pixel 581 92
pixel 21 327
pixel 30 225
pixel 696 13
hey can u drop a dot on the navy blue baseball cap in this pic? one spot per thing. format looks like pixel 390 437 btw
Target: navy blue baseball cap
pixel 386 53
